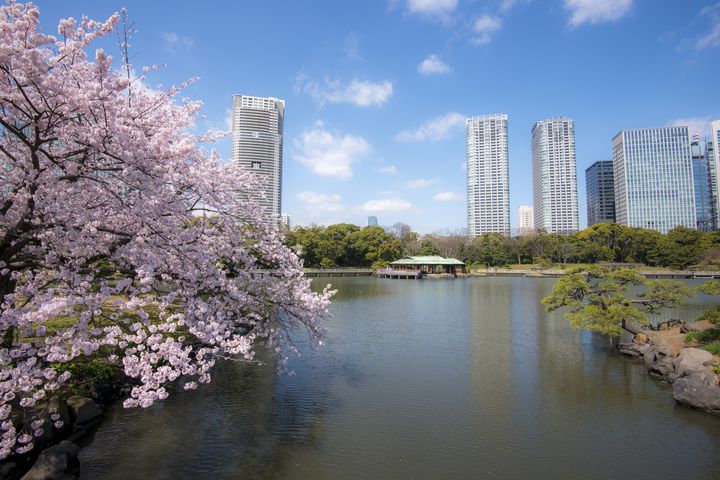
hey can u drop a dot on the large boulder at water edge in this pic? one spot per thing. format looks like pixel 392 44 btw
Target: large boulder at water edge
pixel 692 360
pixel 699 390
pixel 658 360
pixel 83 409
pixel 59 462
pixel 633 349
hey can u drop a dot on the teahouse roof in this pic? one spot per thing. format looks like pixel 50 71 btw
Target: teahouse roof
pixel 427 260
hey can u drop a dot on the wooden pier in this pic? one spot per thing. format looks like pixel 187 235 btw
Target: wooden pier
pixel 392 273
pixel 338 272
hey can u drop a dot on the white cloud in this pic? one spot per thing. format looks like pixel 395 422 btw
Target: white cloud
pixel 712 39
pixel 386 205
pixel 448 197
pixel 321 202
pixel 596 11
pixel 420 182
pixel 507 5
pixel 434 129
pixel 432 6
pixel 171 41
pixel 361 93
pixel 484 27
pixel 328 154
pixel 391 169
pixel 700 125
pixel 352 47
pixel 433 64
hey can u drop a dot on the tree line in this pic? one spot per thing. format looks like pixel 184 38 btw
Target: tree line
pixel 347 245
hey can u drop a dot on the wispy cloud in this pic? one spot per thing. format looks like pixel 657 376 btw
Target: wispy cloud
pixel 173 42
pixel 433 64
pixel 699 125
pixel 484 28
pixel 712 38
pixel 385 205
pixel 421 182
pixel 321 202
pixel 448 197
pixel 507 5
pixel 352 47
pixel 432 7
pixel 362 93
pixel 391 169
pixel 434 129
pixel 596 11
pixel 328 154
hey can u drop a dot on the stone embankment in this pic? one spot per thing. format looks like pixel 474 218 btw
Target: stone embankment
pixel 55 454
pixel 688 369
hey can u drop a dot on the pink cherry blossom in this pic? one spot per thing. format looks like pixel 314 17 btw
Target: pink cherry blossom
pixel 99 179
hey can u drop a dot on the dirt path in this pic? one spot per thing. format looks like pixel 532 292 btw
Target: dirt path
pixel 672 337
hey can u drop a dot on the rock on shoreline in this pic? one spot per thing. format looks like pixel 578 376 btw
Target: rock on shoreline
pixel 689 370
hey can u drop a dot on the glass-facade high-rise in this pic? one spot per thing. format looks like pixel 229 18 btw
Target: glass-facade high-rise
pixel 714 145
pixel 600 190
pixel 654 185
pixel 555 202
pixel 488 177
pixel 704 181
pixel 257 132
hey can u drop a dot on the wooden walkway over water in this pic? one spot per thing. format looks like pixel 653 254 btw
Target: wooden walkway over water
pixel 392 273
pixel 553 273
pixel 338 272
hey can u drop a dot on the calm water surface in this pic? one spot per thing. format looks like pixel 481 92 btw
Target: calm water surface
pixel 428 380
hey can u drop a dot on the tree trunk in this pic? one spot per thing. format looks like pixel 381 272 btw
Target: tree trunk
pixel 7 286
pixel 631 327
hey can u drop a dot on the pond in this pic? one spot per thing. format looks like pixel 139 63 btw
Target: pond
pixel 425 379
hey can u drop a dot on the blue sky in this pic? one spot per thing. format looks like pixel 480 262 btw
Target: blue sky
pixel 377 91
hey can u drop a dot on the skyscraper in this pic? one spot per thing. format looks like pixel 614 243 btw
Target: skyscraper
pixel 600 191
pixel 488 178
pixel 654 178
pixel 715 128
pixel 710 159
pixel 372 221
pixel 704 183
pixel 257 128
pixel 526 222
pixel 554 170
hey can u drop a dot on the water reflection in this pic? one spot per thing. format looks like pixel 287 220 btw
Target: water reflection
pixel 467 378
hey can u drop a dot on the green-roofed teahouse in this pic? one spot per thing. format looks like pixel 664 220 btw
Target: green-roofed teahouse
pixel 429 264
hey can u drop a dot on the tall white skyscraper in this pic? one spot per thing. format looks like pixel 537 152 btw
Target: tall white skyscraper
pixel 654 186
pixel 257 128
pixel 715 127
pixel 488 178
pixel 526 221
pixel 555 200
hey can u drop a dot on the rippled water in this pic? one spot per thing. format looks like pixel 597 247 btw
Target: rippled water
pixel 422 379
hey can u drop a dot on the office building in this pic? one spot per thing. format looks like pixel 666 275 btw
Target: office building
pixel 710 159
pixel 654 186
pixel 714 153
pixel 555 202
pixel 526 222
pixel 488 178
pixel 600 192
pixel 704 183
pixel 372 222
pixel 257 131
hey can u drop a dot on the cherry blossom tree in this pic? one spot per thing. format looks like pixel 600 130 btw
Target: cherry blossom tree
pixel 100 177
